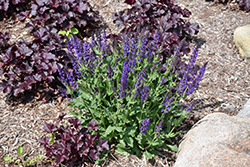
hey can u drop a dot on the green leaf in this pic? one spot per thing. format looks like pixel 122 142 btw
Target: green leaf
pixel 75 114
pixel 121 144
pixel 155 143
pixel 20 151
pixel 62 32
pixel 130 131
pixel 26 163
pixel 122 151
pixel 148 155
pixel 74 30
pixel 8 159
pixel 168 124
pixel 108 130
pixel 118 129
pixel 172 147
pixel 137 151
pixel 37 158
pixel 129 141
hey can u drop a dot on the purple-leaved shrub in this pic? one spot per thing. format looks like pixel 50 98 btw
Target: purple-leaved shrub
pixel 32 65
pixel 72 145
pixel 133 95
pixel 161 16
pixel 10 7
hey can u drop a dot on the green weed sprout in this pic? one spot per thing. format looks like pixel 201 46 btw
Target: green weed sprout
pixel 69 32
pixel 20 160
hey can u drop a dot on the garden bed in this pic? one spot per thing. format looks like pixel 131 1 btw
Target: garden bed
pixel 224 87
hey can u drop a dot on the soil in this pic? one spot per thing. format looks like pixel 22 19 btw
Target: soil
pixel 224 88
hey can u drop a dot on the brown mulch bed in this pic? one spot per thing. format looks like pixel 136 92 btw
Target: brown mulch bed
pixel 224 88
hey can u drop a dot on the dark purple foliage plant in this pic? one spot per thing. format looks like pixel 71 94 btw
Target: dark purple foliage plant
pixel 132 94
pixel 162 16
pixel 244 4
pixel 61 14
pixel 10 7
pixel 72 145
pixel 4 38
pixel 27 65
pixel 34 65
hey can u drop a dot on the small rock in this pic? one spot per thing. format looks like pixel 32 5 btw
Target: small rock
pixel 216 140
pixel 242 41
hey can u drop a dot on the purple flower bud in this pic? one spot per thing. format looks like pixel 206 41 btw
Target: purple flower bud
pixel 159 126
pixel 144 126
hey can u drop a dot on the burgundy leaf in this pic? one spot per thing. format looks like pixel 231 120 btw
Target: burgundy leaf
pixel 5 5
pixel 39 2
pixel 34 8
pixel 7 89
pixel 89 140
pixel 42 66
pixel 85 151
pixel 61 158
pixel 65 137
pixel 54 3
pixel 16 91
pixel 15 2
pixel 37 77
pixel 43 9
pixel 79 145
pixel 65 7
pixel 40 33
pixel 49 128
pixel 1 71
pixel 7 57
pixel 23 15
pixel 76 122
pixel 11 74
pixel 92 125
pixel 48 56
pixel 130 2
pixel 24 50
pixel 93 154
pixel 59 119
pixel 53 67
pixel 83 23
pixel 25 86
pixel 96 136
pixel 82 7
pixel 50 78
pixel 102 144
pixel 185 12
pixel 194 28
pixel 44 74
pixel 44 141
pixel 70 1
pixel 30 80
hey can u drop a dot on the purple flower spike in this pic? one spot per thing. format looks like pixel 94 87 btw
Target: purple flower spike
pixel 144 126
pixel 192 86
pixel 190 106
pixel 145 94
pixel 159 126
pixel 124 79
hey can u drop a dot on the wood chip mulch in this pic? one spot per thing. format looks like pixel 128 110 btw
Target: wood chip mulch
pixel 224 88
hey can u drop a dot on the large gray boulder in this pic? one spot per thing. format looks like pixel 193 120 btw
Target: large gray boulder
pixel 245 111
pixel 216 140
pixel 242 41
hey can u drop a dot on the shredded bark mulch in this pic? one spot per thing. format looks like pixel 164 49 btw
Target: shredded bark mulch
pixel 224 88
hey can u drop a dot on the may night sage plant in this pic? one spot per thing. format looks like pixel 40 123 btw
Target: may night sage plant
pixel 133 96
